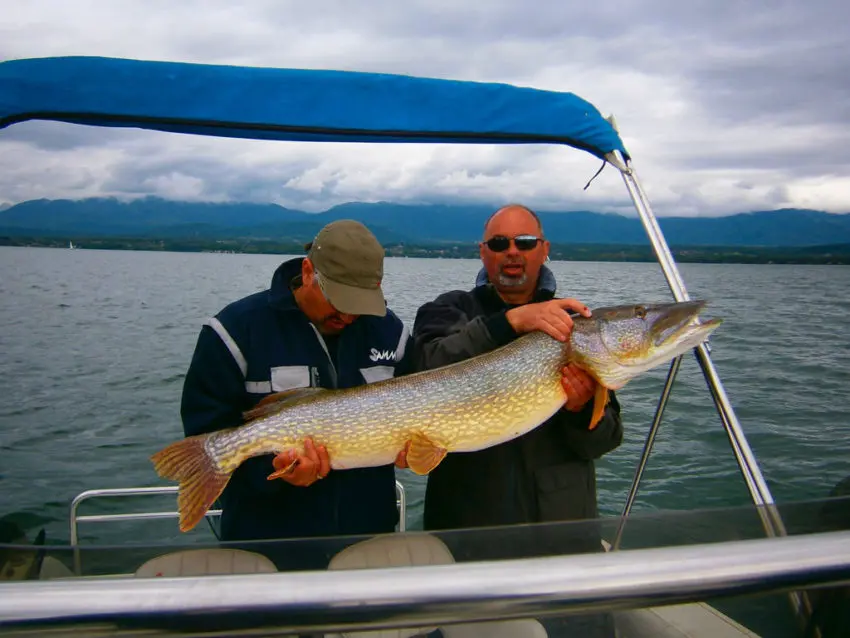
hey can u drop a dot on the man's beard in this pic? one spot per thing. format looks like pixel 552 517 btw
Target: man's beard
pixel 510 282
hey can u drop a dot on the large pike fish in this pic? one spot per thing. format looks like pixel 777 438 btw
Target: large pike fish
pixel 466 406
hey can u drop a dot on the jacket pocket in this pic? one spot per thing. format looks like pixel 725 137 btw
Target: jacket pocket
pixel 566 491
pixel 289 377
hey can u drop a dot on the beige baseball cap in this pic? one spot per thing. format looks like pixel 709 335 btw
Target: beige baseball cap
pixel 350 261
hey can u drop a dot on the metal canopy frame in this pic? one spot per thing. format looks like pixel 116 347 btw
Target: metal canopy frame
pixel 320 105
pixel 747 463
pixel 745 458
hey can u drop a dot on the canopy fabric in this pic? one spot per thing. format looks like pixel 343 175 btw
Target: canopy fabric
pixel 295 104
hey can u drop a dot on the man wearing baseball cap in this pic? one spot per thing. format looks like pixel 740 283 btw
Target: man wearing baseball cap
pixel 352 265
pixel 323 322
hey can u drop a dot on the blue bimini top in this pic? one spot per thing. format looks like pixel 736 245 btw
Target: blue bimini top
pixel 295 104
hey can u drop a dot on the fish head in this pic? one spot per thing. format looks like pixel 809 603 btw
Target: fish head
pixel 620 342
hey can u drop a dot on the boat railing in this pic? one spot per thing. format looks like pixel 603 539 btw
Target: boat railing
pixel 429 595
pixel 75 518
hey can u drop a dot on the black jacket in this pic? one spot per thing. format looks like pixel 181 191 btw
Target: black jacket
pixel 263 344
pixel 546 475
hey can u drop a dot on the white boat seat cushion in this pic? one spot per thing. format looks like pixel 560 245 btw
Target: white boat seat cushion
pixel 402 550
pixel 520 628
pixel 411 549
pixel 206 562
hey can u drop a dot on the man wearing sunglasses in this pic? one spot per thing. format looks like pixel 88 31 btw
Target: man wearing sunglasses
pixel 322 323
pixel 547 474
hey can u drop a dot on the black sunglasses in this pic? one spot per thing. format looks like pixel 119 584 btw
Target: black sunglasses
pixel 500 243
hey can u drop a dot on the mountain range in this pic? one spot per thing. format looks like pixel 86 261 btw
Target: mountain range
pixel 396 223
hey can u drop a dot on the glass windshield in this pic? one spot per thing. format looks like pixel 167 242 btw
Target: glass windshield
pixel 768 615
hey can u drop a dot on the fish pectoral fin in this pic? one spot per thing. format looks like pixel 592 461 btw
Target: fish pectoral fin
pixel 600 400
pixel 423 455
pixel 275 402
pixel 284 471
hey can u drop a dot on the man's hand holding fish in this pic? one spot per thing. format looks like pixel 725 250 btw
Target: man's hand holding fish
pixel 304 469
pixel 550 317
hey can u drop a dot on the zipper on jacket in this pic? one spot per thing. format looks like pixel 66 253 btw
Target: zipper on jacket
pixel 335 382
pixel 334 377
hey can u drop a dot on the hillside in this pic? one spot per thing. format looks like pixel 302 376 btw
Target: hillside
pixel 155 218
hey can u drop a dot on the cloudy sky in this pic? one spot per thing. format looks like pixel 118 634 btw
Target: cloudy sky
pixel 725 105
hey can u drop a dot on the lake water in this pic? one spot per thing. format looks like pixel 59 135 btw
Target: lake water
pixel 95 345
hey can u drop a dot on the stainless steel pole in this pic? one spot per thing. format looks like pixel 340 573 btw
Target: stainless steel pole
pixel 647 449
pixel 753 477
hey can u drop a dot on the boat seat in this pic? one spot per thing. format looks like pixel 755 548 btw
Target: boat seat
pixel 520 628
pixel 52 568
pixel 401 550
pixel 206 562
pixel 417 549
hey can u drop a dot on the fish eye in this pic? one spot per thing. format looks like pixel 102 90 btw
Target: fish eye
pixel 640 312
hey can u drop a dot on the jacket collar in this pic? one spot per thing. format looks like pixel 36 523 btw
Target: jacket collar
pixel 280 291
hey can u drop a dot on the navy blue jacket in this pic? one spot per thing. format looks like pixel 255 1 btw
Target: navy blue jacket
pixel 545 475
pixel 263 344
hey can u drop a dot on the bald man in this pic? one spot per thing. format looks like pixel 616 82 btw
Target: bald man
pixel 548 474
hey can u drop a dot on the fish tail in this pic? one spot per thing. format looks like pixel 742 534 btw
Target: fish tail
pixel 188 462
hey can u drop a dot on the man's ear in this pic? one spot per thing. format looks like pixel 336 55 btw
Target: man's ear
pixel 307 271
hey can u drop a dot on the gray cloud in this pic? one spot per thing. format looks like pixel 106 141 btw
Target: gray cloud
pixel 58 136
pixel 725 106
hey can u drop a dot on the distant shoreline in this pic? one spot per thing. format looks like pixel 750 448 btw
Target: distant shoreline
pixel 813 255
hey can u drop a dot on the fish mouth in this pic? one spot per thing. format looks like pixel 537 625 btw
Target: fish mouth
pixel 679 326
pixel 649 335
